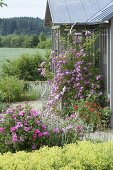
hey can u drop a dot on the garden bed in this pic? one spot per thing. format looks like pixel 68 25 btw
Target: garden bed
pixel 80 156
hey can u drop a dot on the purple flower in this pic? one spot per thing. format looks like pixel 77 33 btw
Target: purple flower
pixel 92 91
pixel 9 111
pixel 73 115
pixel 98 77
pixel 26 129
pixel 34 113
pixel 21 113
pixel 1 129
pixel 78 128
pixel 28 117
pixel 56 130
pixel 64 130
pixel 37 122
pixel 37 131
pixel 14 137
pixel 86 82
pixel 25 123
pixel 43 127
pixel 13 129
pixel 93 85
pixel 40 135
pixel 87 33
pixel 45 133
pixel 19 124
pixel 85 68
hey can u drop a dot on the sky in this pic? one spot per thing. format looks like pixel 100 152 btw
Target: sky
pixel 21 8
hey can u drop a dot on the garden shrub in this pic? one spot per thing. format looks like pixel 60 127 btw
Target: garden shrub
pixel 23 128
pixel 92 113
pixel 25 67
pixel 81 156
pixel 11 88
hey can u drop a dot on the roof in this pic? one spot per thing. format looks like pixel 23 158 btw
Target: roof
pixel 77 11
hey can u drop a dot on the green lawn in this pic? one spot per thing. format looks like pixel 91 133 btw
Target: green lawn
pixel 12 53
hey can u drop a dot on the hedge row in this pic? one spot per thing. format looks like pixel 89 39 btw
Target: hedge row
pixel 82 156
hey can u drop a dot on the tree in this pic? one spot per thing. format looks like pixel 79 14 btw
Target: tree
pixel 2 3
pixel 42 37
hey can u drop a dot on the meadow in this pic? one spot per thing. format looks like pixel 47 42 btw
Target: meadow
pixel 12 53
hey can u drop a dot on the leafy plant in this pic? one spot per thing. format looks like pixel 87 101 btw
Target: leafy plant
pixel 92 113
pixel 25 67
pixel 11 88
pixel 23 128
pixel 81 156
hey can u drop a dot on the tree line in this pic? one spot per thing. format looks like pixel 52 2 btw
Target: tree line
pixel 24 32
pixel 25 41
pixel 22 26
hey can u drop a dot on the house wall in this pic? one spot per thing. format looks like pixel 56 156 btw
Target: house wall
pixel 111 71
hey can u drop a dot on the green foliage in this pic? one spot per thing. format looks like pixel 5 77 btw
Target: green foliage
pixel 23 41
pixel 81 156
pixel 22 26
pixel 11 88
pixel 30 94
pixel 91 113
pixel 42 37
pixel 45 44
pixel 25 67
pixel 3 106
pixel 42 44
pixel 2 3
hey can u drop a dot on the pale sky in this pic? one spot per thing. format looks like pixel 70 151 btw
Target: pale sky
pixel 21 8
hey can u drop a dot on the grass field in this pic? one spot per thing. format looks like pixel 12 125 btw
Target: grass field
pixel 12 53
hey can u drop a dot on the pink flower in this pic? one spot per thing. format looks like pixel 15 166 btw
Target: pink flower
pixel 43 127
pixel 45 133
pixel 26 129
pixel 87 33
pixel 40 135
pixel 34 136
pixel 56 130
pixel 1 129
pixel 21 113
pixel 13 129
pixel 37 122
pixel 79 128
pixel 73 115
pixel 14 137
pixel 19 124
pixel 37 131
pixel 34 113
pixel 9 111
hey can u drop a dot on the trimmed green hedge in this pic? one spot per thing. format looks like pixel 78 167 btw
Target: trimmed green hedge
pixel 82 156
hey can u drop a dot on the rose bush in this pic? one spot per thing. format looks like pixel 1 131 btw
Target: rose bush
pixel 23 128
